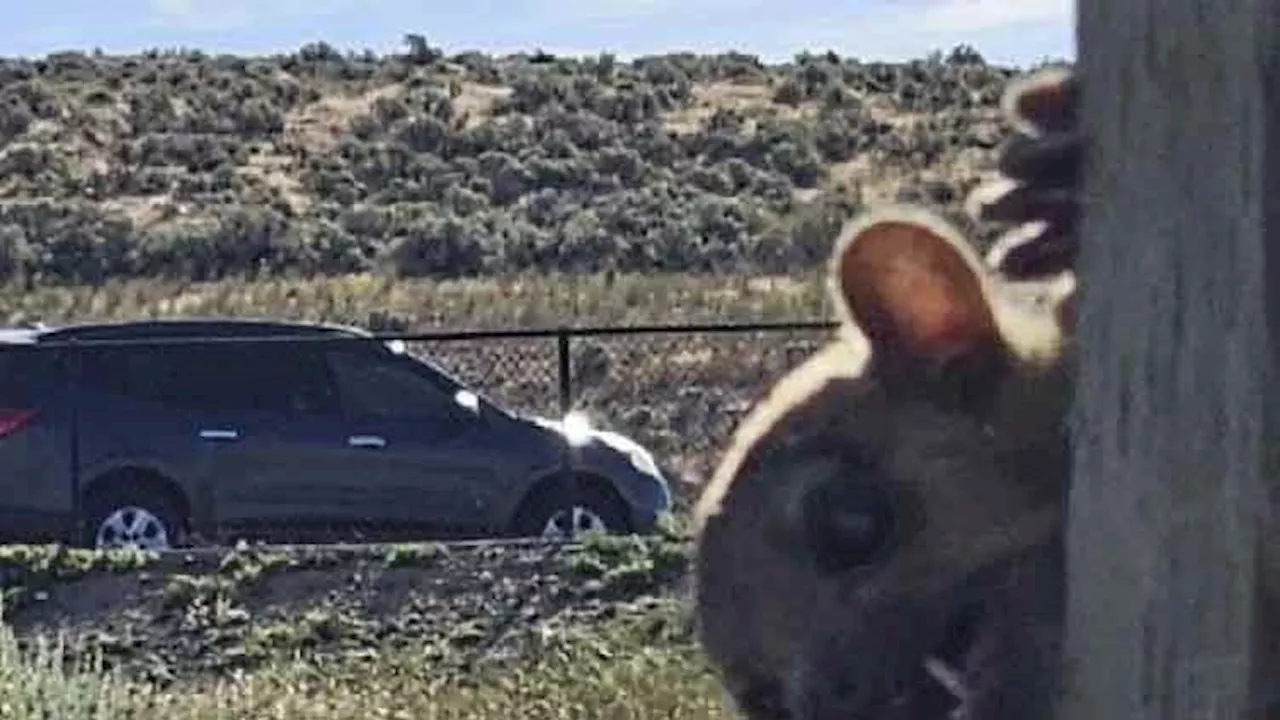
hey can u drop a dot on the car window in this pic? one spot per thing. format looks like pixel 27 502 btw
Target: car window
pixel 26 374
pixel 259 378
pixel 378 385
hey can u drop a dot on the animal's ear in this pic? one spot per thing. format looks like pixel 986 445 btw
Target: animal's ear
pixel 913 286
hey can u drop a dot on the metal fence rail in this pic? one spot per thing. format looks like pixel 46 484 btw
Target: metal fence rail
pixel 562 337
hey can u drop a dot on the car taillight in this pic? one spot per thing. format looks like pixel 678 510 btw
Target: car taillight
pixel 12 420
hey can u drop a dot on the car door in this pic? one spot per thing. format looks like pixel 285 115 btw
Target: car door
pixel 423 453
pixel 36 493
pixel 277 464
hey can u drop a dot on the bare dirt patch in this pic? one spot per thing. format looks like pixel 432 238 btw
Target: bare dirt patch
pixel 711 97
pixel 476 101
pixel 319 125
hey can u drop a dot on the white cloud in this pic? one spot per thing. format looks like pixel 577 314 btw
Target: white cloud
pixel 221 15
pixel 587 12
pixel 1004 31
pixel 980 15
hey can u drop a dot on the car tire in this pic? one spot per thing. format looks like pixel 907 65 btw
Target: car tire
pixel 132 517
pixel 592 504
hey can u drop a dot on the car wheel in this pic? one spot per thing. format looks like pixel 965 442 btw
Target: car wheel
pixel 133 520
pixel 561 512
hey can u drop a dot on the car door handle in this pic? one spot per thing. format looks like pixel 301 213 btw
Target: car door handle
pixel 219 434
pixel 366 441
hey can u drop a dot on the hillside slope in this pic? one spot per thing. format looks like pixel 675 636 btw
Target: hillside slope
pixel 194 167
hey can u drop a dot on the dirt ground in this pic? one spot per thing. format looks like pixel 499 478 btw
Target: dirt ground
pixel 217 614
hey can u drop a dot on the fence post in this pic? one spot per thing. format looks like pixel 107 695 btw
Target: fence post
pixel 1175 398
pixel 565 371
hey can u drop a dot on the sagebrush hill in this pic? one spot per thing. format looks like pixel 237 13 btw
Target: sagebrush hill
pixel 415 192
pixel 181 165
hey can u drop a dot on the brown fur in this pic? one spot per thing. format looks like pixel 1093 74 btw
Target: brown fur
pixel 944 396
pixel 945 391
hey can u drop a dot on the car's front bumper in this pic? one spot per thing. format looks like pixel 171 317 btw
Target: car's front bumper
pixel 648 499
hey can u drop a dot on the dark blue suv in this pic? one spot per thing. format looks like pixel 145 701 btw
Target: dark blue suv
pixel 111 444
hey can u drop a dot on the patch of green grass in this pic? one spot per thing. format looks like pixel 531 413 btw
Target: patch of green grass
pixel 59 562
pixel 628 565
pixel 637 666
pixel 260 605
pixel 182 590
pixel 28 571
pixel 415 554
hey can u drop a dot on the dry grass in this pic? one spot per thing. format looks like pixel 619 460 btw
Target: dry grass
pixel 486 303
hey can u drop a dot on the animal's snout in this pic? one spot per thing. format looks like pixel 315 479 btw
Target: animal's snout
pixel 899 660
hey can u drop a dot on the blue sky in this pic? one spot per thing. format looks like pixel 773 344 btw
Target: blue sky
pixel 1006 31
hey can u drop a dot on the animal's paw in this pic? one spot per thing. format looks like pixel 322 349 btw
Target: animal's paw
pixel 1038 191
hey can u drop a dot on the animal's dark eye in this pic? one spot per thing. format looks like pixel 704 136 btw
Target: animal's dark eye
pixel 849 523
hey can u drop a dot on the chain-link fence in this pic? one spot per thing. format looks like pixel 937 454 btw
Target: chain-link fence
pixel 165 422
pixel 678 390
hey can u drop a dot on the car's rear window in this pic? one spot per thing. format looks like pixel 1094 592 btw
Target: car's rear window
pixel 212 378
pixel 25 375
